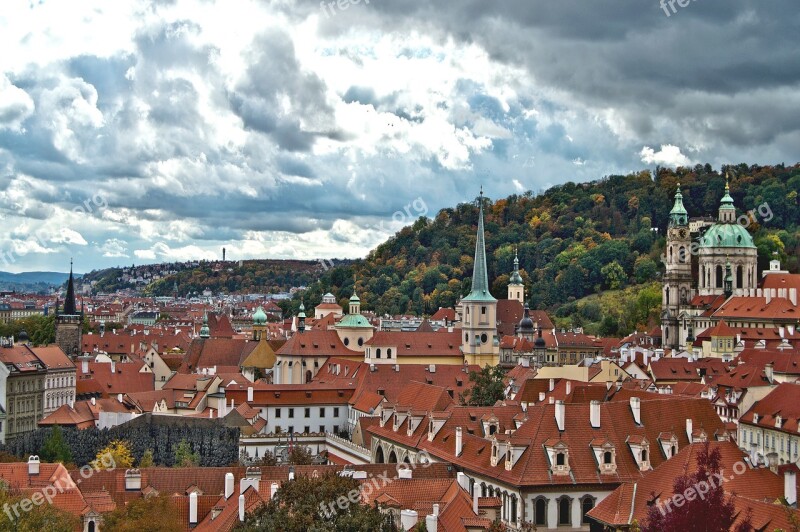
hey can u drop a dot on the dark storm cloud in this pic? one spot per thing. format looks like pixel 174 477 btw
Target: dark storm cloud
pixel 273 72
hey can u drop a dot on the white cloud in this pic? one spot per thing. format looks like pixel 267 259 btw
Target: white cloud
pixel 15 104
pixel 668 155
pixel 113 247
pixel 518 185
pixel 68 236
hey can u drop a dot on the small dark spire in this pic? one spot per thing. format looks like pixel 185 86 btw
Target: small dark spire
pixel 69 302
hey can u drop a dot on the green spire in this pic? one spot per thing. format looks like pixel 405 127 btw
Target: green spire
pixel 516 278
pixel 205 332
pixel 678 215
pixel 480 276
pixel 259 317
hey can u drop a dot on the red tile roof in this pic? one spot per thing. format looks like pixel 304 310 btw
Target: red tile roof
pixel 420 344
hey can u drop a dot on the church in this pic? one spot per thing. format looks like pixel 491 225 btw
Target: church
pixel 712 274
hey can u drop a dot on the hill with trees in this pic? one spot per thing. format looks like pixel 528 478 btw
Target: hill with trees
pixel 575 240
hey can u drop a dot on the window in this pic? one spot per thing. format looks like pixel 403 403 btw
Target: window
pixel 277 412
pixel 564 504
pixel 291 429
pixel 347 341
pixel 336 411
pixel 306 429
pixel 483 311
pixel 560 459
pixel 484 338
pixel 322 429
pixel 378 353
pixel 389 353
pixel 587 503
pixel 321 412
pixel 607 457
pixel 307 413
pixel 540 511
pixel 291 413
pixel 360 342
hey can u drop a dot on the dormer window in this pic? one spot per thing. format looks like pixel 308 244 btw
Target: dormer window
pixel 608 458
pixel 561 459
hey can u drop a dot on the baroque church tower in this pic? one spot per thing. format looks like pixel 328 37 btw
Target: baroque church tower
pixel 480 344
pixel 69 322
pixel 677 288
pixel 516 288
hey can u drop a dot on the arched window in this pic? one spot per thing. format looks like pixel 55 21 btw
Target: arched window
pixel 564 507
pixel 702 275
pixel 379 458
pixel 540 511
pixel 560 459
pixel 719 276
pixel 308 376
pixel 392 458
pixel 587 503
pixel 378 353
pixel 666 295
pixel 389 353
pixel 607 458
pixel 739 277
pixel 644 455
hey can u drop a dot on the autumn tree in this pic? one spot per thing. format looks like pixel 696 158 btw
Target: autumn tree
pixel 714 512
pixel 115 455
pixel 43 517
pixel 154 513
pixel 311 504
pixel 300 455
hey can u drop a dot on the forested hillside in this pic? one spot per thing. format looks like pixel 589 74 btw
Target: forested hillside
pixel 573 241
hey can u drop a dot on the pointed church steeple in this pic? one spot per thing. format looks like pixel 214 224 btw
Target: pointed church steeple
pixel 727 211
pixel 480 275
pixel 678 216
pixel 70 308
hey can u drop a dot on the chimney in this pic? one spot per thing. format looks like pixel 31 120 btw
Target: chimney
pixel 790 487
pixel 291 473
pixel 463 481
pixel 432 521
pixel 569 387
pixel 84 366
pixel 119 397
pixel 249 394
pixel 594 414
pixel 560 415
pixel 273 490
pixel 689 430
pixel 193 508
pixel 113 367
pixel 541 396
pixel 608 386
pixel 33 464
pixel 133 480
pixel 475 496
pixel 552 384
pixel 404 473
pixel 408 519
pixel 94 401
pixel 636 409
pixel 459 440
pixel 229 483
pixel 241 508
pixel 769 371
pixel 793 296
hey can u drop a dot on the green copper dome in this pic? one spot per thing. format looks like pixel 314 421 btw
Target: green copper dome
pixel 726 236
pixel 678 215
pixel 259 317
pixel 354 321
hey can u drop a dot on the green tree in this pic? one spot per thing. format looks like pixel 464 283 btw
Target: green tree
pixel 613 275
pixel 487 389
pixel 184 457
pixel 300 455
pixel 311 504
pixel 154 513
pixel 644 269
pixel 55 449
pixel 147 459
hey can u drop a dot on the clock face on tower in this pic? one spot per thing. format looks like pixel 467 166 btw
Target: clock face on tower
pixel 682 233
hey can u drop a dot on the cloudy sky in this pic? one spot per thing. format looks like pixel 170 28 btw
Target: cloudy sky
pixel 135 132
